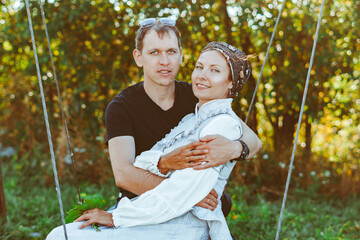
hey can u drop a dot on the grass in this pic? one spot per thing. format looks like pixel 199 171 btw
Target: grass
pixel 33 210
pixel 305 217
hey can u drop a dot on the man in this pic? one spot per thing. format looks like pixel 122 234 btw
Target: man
pixel 142 114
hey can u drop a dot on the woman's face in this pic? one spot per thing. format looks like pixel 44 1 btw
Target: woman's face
pixel 210 78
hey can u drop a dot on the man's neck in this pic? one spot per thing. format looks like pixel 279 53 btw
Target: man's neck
pixel 163 96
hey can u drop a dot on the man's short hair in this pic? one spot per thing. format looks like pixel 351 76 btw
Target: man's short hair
pixel 160 29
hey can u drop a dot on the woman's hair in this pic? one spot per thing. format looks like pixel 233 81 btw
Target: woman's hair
pixel 239 65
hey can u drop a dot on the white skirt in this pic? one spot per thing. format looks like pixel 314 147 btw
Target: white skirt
pixel 185 227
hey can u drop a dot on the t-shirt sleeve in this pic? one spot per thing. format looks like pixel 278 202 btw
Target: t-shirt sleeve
pixel 117 121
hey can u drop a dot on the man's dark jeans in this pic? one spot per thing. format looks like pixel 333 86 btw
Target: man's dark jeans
pixel 226 204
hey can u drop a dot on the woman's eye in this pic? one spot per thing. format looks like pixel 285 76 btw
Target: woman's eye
pixel 172 51
pixel 215 70
pixel 198 67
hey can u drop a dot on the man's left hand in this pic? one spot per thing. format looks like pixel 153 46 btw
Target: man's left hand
pixel 221 150
pixel 210 201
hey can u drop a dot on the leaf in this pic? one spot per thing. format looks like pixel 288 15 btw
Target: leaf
pixel 72 215
pixel 89 202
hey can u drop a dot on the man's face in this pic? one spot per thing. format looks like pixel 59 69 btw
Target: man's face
pixel 160 58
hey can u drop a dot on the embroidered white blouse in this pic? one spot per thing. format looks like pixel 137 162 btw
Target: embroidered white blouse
pixel 184 188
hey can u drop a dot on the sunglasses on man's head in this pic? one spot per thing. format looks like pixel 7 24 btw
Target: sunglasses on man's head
pixel 148 22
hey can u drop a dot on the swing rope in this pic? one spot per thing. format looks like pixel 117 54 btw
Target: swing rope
pixel 266 58
pixel 60 102
pixel 46 119
pixel 299 121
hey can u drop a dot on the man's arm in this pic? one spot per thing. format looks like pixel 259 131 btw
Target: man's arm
pixel 220 150
pixel 128 177
pixel 251 140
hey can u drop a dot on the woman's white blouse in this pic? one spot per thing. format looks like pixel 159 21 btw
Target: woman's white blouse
pixel 184 188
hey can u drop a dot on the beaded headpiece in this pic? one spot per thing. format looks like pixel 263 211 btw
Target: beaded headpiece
pixel 237 60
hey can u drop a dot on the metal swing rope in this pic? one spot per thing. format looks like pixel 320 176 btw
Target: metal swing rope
pixel 266 58
pixel 302 105
pixel 46 119
pixel 60 102
pixel 299 121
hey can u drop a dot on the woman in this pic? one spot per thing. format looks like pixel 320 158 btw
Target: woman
pixel 168 211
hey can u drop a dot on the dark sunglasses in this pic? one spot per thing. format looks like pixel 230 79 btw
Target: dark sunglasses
pixel 148 22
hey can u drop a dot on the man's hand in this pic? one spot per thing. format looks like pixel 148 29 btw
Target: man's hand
pixel 96 216
pixel 221 150
pixel 184 157
pixel 210 201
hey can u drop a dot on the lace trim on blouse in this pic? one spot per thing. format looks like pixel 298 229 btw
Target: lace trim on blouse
pixel 208 111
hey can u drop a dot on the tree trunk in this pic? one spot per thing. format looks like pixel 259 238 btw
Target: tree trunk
pixel 307 151
pixel 246 46
pixel 284 137
pixel 227 22
pixel 2 198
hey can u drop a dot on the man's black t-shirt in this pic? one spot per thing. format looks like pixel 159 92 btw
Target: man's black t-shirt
pixel 133 113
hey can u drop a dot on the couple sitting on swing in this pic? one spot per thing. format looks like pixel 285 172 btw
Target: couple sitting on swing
pixel 187 140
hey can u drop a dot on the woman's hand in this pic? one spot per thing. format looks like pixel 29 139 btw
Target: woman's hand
pixel 183 157
pixel 210 201
pixel 96 215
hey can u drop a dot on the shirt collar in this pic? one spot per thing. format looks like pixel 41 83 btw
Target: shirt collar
pixel 211 106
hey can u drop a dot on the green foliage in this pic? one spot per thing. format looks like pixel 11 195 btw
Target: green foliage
pixel 33 212
pixel 92 43
pixel 305 217
pixel 33 208
pixel 88 202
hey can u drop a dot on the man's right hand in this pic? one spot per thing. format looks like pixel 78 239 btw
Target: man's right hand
pixel 184 157
pixel 210 201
